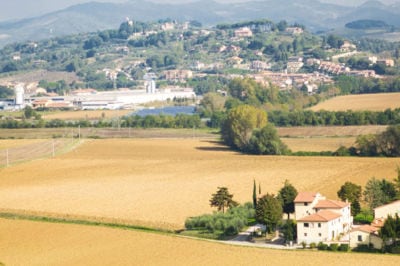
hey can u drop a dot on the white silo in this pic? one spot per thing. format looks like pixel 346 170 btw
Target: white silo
pixel 150 83
pixel 19 95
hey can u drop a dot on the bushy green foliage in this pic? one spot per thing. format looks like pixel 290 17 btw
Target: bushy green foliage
pixel 390 232
pixel 365 216
pixel 269 212
pixel 266 141
pixel 238 127
pixel 379 192
pixel 333 118
pixel 229 223
pixel 322 246
pixel 289 230
pixel 333 247
pixel 222 199
pixel 344 247
pixel 351 192
pixel 286 196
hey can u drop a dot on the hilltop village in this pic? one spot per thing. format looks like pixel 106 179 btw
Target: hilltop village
pixel 141 63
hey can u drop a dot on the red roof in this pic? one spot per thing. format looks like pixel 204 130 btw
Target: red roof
pixel 321 216
pixel 366 228
pixel 331 204
pixel 378 222
pixel 305 197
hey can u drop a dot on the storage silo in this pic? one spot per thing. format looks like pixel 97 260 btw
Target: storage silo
pixel 19 95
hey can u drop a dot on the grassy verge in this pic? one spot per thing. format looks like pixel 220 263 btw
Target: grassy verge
pixel 36 218
pixel 216 235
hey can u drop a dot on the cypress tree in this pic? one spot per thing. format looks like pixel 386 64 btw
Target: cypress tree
pixel 254 194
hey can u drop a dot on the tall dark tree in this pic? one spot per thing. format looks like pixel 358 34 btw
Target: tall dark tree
pixel 269 212
pixel 222 199
pixel 286 195
pixel 351 192
pixel 254 194
pixel 391 229
pixel 397 182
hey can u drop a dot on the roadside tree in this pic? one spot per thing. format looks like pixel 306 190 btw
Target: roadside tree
pixel 222 199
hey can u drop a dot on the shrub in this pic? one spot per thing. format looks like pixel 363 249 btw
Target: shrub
pixel 333 247
pixel 344 247
pixel 364 217
pixel 322 246
pixel 303 244
pixel 313 245
pixel 395 250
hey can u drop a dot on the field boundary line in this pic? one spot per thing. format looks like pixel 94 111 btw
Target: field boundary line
pixel 81 219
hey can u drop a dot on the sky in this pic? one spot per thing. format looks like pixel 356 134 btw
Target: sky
pixel 18 9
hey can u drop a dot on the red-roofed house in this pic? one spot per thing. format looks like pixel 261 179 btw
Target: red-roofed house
pixel 365 235
pixel 320 219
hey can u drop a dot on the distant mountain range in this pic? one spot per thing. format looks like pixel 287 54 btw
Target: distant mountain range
pixel 94 16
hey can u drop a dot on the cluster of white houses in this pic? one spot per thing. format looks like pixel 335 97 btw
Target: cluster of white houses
pixel 324 220
pixel 90 99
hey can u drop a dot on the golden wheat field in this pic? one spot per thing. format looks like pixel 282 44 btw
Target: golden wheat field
pixel 329 131
pixel 372 102
pixel 86 114
pixel 318 144
pixel 161 182
pixel 12 143
pixel 39 243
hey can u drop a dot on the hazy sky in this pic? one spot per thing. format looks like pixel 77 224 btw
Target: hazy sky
pixel 17 9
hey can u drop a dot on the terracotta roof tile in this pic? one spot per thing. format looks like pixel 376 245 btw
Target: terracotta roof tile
pixel 378 222
pixel 366 228
pixel 331 204
pixel 321 216
pixel 305 197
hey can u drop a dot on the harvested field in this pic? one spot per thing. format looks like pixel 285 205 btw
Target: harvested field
pixel 161 182
pixel 86 115
pixel 318 144
pixel 29 150
pixel 42 133
pixel 331 131
pixel 361 102
pixel 36 243
pixel 12 143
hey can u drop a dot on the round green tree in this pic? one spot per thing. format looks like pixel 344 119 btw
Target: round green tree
pixel 269 212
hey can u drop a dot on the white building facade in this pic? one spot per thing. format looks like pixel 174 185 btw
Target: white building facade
pixel 319 219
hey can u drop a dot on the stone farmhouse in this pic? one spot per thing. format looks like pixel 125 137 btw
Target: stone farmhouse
pixel 369 234
pixel 320 219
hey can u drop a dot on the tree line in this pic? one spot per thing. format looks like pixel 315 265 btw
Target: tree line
pixel 334 118
pixel 149 121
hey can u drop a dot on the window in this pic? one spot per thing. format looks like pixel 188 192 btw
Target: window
pixel 319 225
pixel 359 238
pixel 319 234
pixel 305 234
pixel 306 225
pixel 305 204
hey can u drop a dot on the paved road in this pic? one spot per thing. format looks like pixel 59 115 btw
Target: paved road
pixel 243 240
